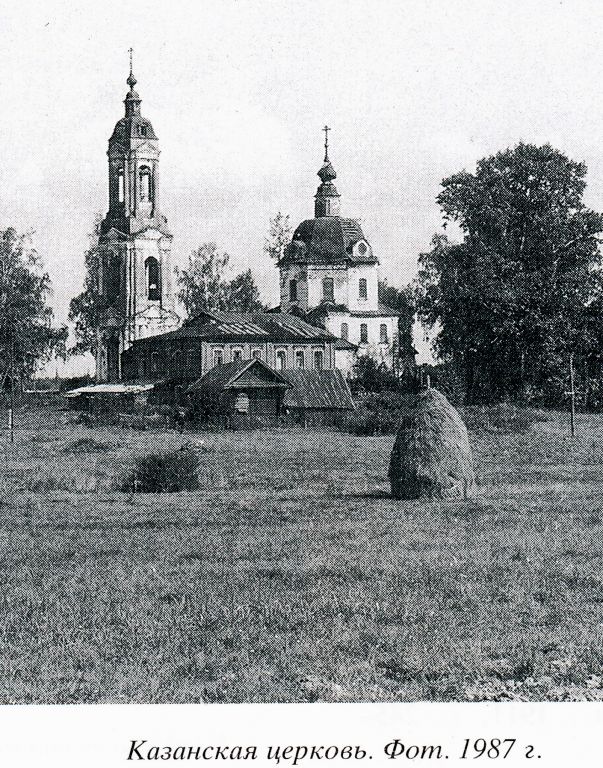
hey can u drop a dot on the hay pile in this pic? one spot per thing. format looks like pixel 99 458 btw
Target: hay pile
pixel 431 457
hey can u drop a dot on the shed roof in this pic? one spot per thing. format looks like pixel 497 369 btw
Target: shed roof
pixel 238 375
pixel 317 389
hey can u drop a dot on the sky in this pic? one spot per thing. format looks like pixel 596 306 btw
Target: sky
pixel 238 93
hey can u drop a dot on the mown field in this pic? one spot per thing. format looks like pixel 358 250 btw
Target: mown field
pixel 291 576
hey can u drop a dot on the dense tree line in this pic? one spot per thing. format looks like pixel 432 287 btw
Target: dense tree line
pixel 523 289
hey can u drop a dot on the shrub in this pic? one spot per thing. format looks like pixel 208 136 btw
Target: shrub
pixel 503 418
pixel 167 472
pixel 379 413
pixel 86 445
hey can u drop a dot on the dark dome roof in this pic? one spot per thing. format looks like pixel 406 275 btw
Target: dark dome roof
pixel 327 240
pixel 133 127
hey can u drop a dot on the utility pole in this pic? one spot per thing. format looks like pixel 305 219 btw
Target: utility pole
pixel 572 394
pixel 11 410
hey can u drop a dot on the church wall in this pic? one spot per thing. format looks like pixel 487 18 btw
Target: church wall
pixel 369 273
pixel 373 347
pixel 316 274
pixel 294 272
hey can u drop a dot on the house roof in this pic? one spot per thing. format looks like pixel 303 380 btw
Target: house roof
pixel 327 240
pixel 239 375
pixel 317 389
pixel 243 326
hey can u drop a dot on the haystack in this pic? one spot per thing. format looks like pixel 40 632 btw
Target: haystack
pixel 431 457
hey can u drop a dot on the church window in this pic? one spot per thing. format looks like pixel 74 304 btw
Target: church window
pixel 281 358
pixel 120 185
pixel 300 362
pixel 345 331
pixel 362 288
pixel 144 178
pixel 152 270
pixel 218 356
pixel 328 289
pixel 362 249
pixel 292 290
pixel 383 333
pixel 363 333
pixel 113 277
pixel 318 359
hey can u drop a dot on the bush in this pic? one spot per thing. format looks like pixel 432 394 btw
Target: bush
pixel 501 419
pixel 167 472
pixel 86 445
pixel 379 413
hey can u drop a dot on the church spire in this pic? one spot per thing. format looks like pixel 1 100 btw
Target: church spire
pixel 132 100
pixel 326 200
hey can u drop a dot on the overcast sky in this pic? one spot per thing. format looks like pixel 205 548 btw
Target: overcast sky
pixel 238 92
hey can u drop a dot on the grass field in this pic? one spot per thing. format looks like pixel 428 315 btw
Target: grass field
pixel 292 576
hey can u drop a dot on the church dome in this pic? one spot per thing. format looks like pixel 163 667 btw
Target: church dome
pixel 132 127
pixel 329 240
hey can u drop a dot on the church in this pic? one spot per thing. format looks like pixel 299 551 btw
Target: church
pixel 329 311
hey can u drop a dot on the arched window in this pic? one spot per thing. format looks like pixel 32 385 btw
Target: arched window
pixel 328 289
pixel 383 333
pixel 144 180
pixel 151 266
pixel 300 361
pixel 256 354
pixel 362 288
pixel 113 277
pixel 363 333
pixel 292 290
pixel 281 358
pixel 237 355
pixel 318 359
pixel 218 356
pixel 120 185
pixel 345 331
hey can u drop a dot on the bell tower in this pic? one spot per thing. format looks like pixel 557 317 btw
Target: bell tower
pixel 134 251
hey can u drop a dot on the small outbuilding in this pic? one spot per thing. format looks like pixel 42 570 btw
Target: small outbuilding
pixel 317 398
pixel 241 394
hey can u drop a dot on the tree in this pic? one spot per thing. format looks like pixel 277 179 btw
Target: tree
pixel 511 299
pixel 403 301
pixel 86 309
pixel 27 336
pixel 203 285
pixel 278 238
pixel 243 295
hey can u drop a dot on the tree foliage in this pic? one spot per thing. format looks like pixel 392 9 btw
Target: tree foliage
pixel 204 285
pixel 86 309
pixel 279 236
pixel 517 294
pixel 27 336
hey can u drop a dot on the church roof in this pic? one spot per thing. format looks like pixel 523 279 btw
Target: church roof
pixel 243 326
pixel 327 240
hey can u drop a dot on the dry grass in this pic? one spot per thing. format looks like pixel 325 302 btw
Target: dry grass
pixel 293 576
